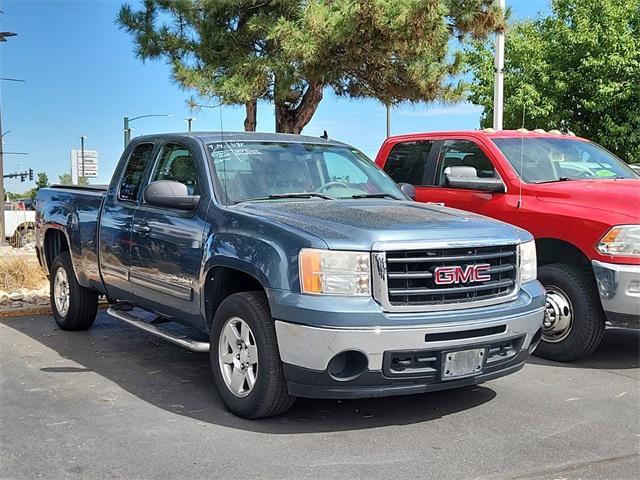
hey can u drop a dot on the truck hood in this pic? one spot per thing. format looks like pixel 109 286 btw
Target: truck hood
pixel 359 224
pixel 620 198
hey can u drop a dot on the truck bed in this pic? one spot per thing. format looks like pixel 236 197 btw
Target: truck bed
pixel 75 211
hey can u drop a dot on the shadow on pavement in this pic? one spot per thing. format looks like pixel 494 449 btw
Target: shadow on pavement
pixel 620 349
pixel 179 381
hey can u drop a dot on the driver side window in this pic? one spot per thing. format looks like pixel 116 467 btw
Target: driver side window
pixel 177 164
pixel 464 153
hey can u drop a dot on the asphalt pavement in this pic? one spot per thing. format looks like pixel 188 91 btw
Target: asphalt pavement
pixel 114 402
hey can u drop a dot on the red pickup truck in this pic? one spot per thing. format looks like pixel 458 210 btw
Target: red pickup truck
pixel 580 202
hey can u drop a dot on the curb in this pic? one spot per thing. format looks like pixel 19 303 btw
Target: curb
pixel 25 311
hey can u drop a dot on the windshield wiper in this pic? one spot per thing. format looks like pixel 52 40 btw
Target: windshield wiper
pixel 276 196
pixel 561 179
pixel 375 195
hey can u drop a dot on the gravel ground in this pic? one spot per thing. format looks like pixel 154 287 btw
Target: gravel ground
pixel 114 402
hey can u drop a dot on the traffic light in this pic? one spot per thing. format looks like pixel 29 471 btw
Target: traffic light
pixel 31 174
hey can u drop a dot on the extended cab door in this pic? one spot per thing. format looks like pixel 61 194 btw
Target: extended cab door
pixel 118 210
pixel 167 243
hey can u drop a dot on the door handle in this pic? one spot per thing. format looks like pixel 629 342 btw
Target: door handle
pixel 141 228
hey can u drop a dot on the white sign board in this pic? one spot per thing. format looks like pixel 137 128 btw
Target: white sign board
pixel 87 167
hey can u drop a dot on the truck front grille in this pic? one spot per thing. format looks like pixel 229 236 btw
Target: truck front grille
pixel 415 278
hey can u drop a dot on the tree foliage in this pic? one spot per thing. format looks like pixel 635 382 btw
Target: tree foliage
pixel 41 182
pixel 287 52
pixel 579 68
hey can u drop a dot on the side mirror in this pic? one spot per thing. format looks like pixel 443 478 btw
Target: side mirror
pixel 467 178
pixel 408 189
pixel 170 194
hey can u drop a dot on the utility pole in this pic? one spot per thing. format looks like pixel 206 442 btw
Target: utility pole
pixel 82 139
pixel 3 38
pixel 498 89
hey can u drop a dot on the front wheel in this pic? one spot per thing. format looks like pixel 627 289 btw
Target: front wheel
pixel 245 360
pixel 574 320
pixel 74 307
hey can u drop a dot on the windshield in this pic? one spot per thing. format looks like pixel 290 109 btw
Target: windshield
pixel 540 160
pixel 260 171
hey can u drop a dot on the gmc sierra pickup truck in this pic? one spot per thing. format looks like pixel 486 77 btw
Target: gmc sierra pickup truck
pixel 308 269
pixel 580 202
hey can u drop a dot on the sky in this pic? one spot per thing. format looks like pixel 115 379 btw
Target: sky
pixel 81 78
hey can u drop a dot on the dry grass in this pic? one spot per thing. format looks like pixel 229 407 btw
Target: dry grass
pixel 21 272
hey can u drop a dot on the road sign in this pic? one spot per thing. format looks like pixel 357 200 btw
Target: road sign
pixel 90 164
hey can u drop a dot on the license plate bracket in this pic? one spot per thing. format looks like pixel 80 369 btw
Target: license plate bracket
pixel 463 363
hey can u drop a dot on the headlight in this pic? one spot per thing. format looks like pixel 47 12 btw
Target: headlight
pixel 623 240
pixel 528 261
pixel 334 272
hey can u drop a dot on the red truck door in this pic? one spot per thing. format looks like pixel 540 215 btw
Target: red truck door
pixel 403 165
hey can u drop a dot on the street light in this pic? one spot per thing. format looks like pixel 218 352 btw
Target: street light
pixel 127 129
pixel 82 139
pixel 189 120
pixel 3 38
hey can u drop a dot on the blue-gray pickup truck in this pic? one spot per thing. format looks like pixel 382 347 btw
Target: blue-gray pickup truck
pixel 298 264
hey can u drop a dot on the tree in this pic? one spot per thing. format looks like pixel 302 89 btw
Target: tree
pixel 65 179
pixel 577 68
pixel 41 182
pixel 287 52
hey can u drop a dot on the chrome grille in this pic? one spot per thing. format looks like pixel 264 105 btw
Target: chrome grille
pixel 410 276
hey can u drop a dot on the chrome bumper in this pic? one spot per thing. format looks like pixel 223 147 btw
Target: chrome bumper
pixel 619 288
pixel 313 347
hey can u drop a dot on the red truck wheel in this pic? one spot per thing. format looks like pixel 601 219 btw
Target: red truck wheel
pixel 74 307
pixel 574 321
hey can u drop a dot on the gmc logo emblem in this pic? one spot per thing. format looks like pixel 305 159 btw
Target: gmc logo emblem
pixel 459 274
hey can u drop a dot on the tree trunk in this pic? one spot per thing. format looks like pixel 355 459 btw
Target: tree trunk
pixel 293 120
pixel 250 120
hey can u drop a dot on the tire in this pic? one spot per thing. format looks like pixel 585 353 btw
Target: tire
pixel 23 237
pixel 82 303
pixel 268 395
pixel 587 324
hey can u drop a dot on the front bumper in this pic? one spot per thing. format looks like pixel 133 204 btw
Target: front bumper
pixel 619 288
pixel 307 351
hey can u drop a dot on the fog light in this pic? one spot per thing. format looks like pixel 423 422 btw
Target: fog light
pixel 347 365
pixel 634 287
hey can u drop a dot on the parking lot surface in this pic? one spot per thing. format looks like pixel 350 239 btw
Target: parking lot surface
pixel 114 402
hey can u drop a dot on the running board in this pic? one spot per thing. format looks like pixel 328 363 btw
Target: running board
pixel 193 345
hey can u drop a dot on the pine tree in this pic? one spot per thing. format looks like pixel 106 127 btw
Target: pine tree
pixel 288 52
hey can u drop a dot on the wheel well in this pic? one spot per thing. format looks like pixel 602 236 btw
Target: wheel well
pixel 222 282
pixel 551 250
pixel 55 243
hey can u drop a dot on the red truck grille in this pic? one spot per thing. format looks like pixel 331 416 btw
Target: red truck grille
pixel 450 275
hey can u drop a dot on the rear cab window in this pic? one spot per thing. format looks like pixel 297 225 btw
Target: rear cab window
pixel 408 162
pixel 130 184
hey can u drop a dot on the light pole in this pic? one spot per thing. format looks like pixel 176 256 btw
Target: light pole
pixel 388 119
pixel 127 128
pixel 3 38
pixel 82 139
pixel 498 88
pixel 189 120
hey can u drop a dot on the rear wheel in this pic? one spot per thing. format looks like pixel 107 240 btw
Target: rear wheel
pixel 74 307
pixel 245 360
pixel 24 237
pixel 574 320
